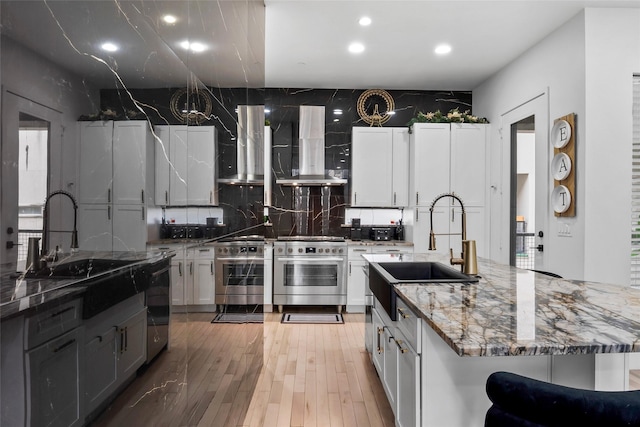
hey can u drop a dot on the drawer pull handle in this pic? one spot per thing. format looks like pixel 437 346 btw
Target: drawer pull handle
pixel 380 332
pixel 402 313
pixel 56 314
pixel 399 344
pixel 67 344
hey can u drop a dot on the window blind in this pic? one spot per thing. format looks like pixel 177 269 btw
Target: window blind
pixel 635 186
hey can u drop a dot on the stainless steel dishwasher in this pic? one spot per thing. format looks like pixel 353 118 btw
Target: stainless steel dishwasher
pixel 158 300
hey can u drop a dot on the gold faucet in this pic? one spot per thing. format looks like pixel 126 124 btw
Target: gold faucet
pixel 468 260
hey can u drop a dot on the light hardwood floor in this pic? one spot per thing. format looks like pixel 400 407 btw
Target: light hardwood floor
pixel 269 374
pixel 634 380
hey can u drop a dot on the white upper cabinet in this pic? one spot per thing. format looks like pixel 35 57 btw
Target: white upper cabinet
pixel 379 167
pixel 448 158
pixel 131 142
pixel 429 157
pixel 186 165
pixel 468 162
pixel 96 162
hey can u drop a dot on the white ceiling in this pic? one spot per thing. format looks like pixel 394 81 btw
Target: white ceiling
pixel 304 44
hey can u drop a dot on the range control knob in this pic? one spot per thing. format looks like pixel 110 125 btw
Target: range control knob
pixel 289 250
pixel 299 250
pixel 340 251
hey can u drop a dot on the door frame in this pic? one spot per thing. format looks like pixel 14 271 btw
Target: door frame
pixel 537 106
pixel 12 105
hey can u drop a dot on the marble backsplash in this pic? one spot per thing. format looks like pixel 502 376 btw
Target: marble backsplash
pixel 294 210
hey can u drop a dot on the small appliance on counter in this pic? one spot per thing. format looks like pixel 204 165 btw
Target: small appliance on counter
pixel 356 230
pixel 382 233
pixel 182 231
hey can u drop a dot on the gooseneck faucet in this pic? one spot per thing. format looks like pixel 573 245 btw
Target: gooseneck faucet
pixel 468 261
pixel 45 222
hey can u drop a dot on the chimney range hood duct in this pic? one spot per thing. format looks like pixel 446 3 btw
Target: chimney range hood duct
pixel 311 151
pixel 251 149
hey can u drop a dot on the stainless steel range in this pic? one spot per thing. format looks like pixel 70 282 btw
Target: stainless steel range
pixel 310 270
pixel 240 271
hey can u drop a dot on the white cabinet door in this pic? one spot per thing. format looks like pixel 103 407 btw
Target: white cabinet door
pixel 475 230
pixel 178 280
pixel 132 344
pixel 96 162
pixel 204 282
pixel 192 175
pixel 100 371
pixel 408 399
pixel 130 142
pixel 400 167
pixel 356 287
pixel 378 345
pixel 178 178
pixel 201 165
pixel 95 230
pixel 161 144
pixel 372 167
pixel 430 158
pixel 54 386
pixel 129 228
pixel 390 378
pixel 468 166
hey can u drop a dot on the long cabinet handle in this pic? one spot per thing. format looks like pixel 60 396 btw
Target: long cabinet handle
pixel 126 339
pixel 180 268
pixel 417 215
pixel 109 212
pixel 121 341
pixel 380 332
pixel 210 197
pixel 394 198
pixel 212 268
pixel 108 195
pixel 355 198
pixel 58 313
pixel 402 313
pixel 399 344
pixel 166 196
pixel 143 213
pixel 417 198
pixel 191 268
pixel 67 344
pixel 142 196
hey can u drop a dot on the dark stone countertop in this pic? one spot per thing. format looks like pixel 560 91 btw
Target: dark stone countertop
pixel 20 294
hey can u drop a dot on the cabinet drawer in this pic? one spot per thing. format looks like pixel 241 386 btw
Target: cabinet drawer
pixel 392 249
pixel 205 252
pixel 409 324
pixel 354 252
pixel 52 322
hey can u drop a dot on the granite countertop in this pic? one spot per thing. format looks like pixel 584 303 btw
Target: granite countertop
pixel 516 312
pixel 18 294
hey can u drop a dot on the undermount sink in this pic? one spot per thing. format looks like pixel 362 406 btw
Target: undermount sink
pixel 107 281
pixel 424 272
pixel 383 275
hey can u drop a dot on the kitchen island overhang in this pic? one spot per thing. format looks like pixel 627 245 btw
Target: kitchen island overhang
pixel 574 333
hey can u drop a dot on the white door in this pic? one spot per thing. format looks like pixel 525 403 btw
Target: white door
pixel 129 228
pixel 179 177
pixel 400 167
pixel 161 143
pixel 430 153
pixel 201 165
pixel 535 114
pixel 95 227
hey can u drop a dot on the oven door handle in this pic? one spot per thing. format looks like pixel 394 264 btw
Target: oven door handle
pixel 311 259
pixel 257 259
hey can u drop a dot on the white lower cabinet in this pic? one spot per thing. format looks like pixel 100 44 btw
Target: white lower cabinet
pixel 53 382
pixel 397 358
pixel 192 277
pixel 115 347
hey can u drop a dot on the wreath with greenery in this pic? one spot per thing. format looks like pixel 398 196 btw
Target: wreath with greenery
pixel 453 116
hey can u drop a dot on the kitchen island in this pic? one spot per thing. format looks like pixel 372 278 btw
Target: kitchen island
pixel 566 332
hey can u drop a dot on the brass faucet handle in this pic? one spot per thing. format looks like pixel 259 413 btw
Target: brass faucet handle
pixel 455 261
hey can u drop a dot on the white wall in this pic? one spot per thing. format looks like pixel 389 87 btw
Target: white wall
pixel 586 67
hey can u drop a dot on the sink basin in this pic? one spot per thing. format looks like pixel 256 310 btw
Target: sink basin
pixel 107 281
pixel 79 268
pixel 382 277
pixel 429 272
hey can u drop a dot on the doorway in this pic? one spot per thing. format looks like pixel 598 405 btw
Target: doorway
pixel 28 132
pixel 525 137
pixel 33 182
pixel 523 144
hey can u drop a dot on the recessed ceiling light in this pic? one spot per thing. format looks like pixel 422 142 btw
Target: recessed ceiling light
pixel 356 48
pixel 109 47
pixel 443 49
pixel 337 111
pixel 364 21
pixel 193 46
pixel 169 19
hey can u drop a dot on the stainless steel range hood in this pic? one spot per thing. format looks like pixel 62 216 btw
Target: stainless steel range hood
pixel 251 150
pixel 311 151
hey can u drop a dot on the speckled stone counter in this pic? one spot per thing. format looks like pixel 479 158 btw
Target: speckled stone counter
pixel 515 312
pixel 19 294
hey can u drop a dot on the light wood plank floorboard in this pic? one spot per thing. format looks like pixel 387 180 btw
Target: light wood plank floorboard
pixel 269 374
pixel 634 380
